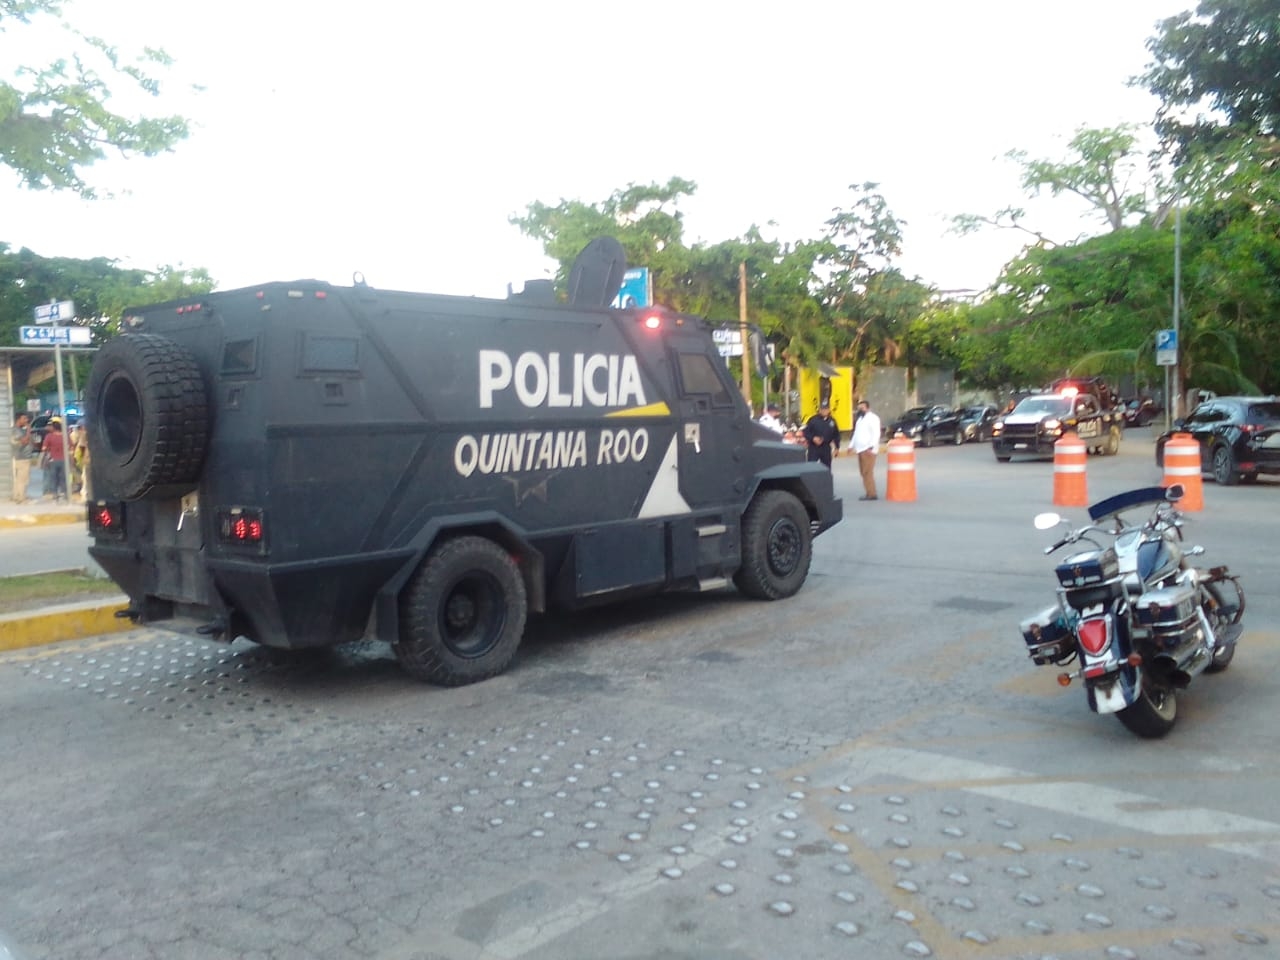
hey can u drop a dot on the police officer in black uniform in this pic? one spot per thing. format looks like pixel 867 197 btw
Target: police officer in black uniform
pixel 821 435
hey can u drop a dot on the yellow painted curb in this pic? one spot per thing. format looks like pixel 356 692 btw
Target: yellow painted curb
pixel 72 621
pixel 40 519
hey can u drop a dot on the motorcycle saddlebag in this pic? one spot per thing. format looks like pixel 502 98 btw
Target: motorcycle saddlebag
pixel 1169 612
pixel 1047 636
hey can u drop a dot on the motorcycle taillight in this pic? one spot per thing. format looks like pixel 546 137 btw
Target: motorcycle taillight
pixel 1095 635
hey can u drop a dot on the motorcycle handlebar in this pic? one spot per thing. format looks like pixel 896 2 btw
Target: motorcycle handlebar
pixel 1077 535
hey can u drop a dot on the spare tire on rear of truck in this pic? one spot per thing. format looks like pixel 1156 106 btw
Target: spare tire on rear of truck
pixel 148 416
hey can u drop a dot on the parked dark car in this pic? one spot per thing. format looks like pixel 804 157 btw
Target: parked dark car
pixel 1239 437
pixel 1140 411
pixel 928 425
pixel 976 422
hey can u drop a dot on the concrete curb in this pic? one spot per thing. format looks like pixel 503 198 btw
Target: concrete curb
pixel 22 521
pixel 72 621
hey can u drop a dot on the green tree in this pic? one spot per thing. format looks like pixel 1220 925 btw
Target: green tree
pixel 56 120
pixel 867 300
pixel 100 290
pixel 1214 70
pixel 645 219
pixel 1104 167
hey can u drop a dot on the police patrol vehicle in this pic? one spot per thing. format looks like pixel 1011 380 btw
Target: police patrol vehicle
pixel 1085 406
pixel 303 465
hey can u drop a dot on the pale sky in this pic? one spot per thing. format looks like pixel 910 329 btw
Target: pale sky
pixel 395 138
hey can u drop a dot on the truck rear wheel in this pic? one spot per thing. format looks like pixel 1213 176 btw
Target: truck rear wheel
pixel 462 613
pixel 148 417
pixel 777 546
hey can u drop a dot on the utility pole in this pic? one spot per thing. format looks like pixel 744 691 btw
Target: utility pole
pixel 1177 302
pixel 746 338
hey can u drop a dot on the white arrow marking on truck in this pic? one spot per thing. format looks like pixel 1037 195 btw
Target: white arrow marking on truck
pixel 663 498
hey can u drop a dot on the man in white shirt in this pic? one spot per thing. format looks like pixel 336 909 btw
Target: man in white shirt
pixel 770 418
pixel 866 444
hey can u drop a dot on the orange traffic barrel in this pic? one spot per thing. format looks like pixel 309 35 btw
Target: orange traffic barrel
pixel 1182 465
pixel 1070 487
pixel 902 469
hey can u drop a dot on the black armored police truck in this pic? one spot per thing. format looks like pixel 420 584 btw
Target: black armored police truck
pixel 303 465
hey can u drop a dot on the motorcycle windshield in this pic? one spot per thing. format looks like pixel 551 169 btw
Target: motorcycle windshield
pixel 1126 501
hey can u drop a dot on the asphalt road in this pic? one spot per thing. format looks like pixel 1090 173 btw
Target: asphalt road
pixel 871 769
pixel 38 549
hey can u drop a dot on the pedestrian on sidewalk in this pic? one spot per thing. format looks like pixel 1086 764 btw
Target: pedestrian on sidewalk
pixel 866 444
pixel 54 452
pixel 81 456
pixel 21 447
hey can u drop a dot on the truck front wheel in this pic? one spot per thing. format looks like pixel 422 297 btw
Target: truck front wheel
pixel 462 613
pixel 777 546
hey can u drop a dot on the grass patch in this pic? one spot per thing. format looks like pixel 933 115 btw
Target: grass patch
pixel 32 591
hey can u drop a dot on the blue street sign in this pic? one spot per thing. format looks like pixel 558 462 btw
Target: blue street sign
pixel 1167 348
pixel 634 291
pixel 51 336
pixel 46 336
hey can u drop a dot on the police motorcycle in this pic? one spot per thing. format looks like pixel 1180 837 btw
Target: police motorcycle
pixel 1139 620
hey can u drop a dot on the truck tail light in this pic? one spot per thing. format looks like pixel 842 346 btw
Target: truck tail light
pixel 241 527
pixel 106 520
pixel 652 321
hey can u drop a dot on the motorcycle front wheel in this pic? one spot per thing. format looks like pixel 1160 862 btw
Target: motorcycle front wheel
pixel 1153 713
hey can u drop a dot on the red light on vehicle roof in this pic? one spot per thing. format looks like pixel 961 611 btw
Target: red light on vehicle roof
pixel 322 295
pixel 652 321
pixel 1070 391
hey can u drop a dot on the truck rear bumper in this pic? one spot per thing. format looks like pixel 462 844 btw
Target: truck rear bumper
pixel 313 604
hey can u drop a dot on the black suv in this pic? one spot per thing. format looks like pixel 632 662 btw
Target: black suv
pixel 929 425
pixel 1239 437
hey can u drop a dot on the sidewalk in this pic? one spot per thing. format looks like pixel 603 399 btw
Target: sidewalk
pixel 34 512
pixel 73 621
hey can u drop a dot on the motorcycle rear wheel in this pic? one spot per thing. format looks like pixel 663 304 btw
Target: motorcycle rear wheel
pixel 1222 656
pixel 1153 714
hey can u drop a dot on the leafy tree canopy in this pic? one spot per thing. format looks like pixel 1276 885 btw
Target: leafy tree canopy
pixel 1215 69
pixel 100 290
pixel 55 119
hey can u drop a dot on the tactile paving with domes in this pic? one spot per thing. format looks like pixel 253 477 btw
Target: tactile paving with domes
pixel 755 845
